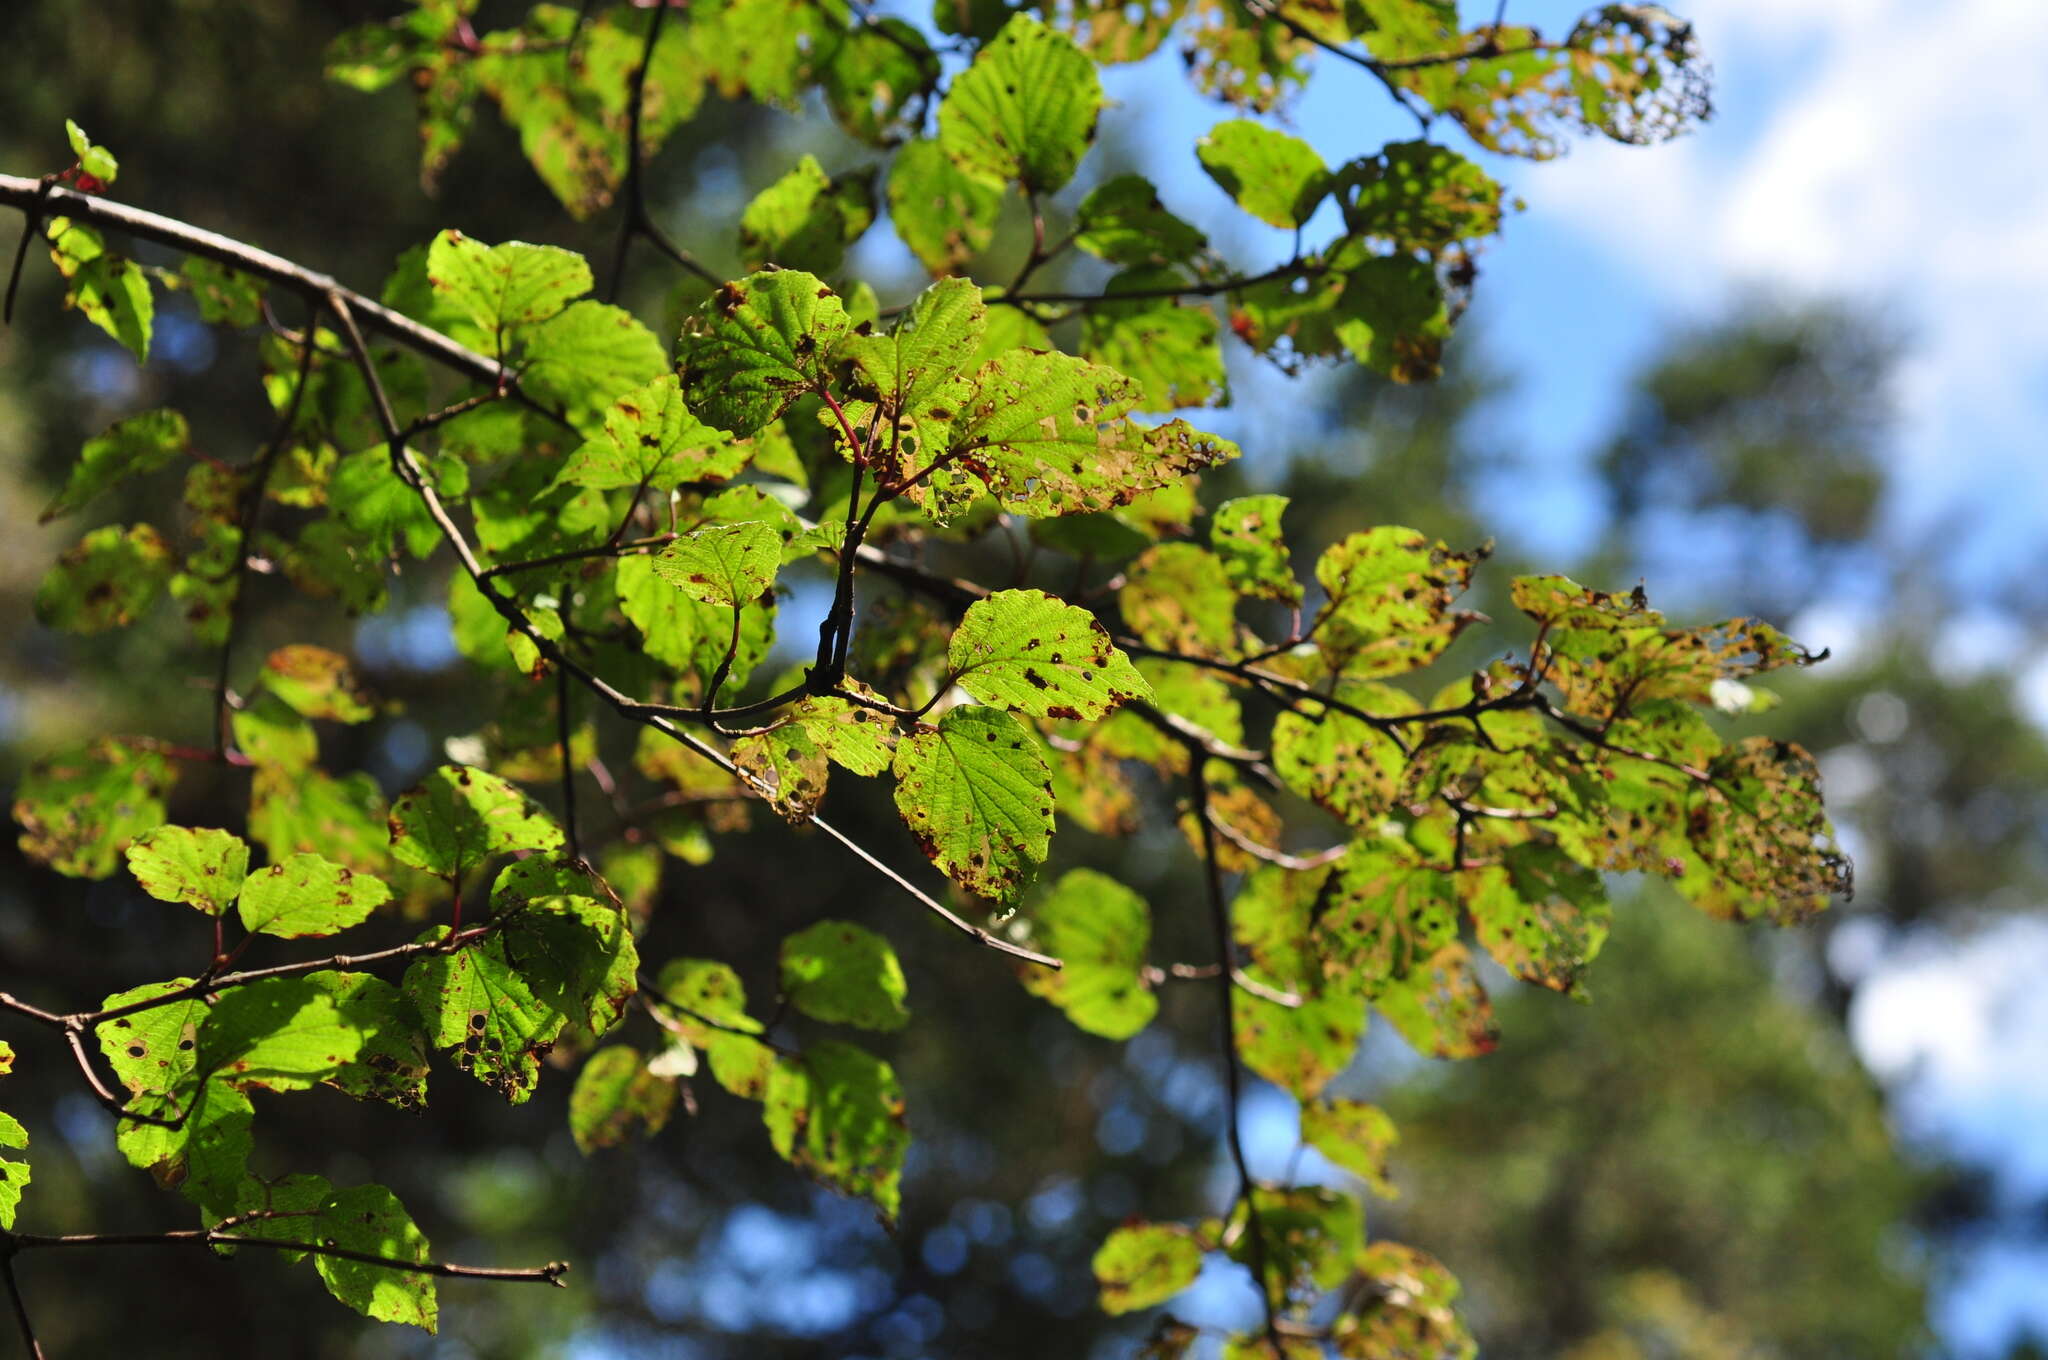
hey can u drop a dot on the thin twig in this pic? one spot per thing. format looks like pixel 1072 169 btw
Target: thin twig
pixel 551 1273
pixel 251 511
pixel 28 1328
pixel 1219 920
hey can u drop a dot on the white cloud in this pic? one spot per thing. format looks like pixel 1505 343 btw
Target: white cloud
pixel 1956 1027
pixel 1884 149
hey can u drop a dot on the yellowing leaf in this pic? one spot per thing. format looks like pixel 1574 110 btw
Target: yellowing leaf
pixel 1143 1264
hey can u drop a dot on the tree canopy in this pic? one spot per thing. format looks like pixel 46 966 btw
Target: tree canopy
pixel 1036 636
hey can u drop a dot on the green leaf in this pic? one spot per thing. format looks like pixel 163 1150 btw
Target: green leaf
pixel 650 438
pixel 1025 110
pixel 588 356
pixel 1047 433
pixel 280 1034
pixel 1389 610
pixel 80 807
pixel 314 812
pixel 206 1156
pixel 498 1005
pixel 307 895
pixel 807 219
pixel 154 1052
pixel 317 683
pixel 225 297
pixel 130 448
pixel 270 734
pixel 851 735
pixel 726 564
pixel 80 143
pixel 1245 536
pixel 844 974
pixel 108 290
pixel 758 344
pixel 836 1113
pixel 617 1100
pixel 367 1219
pixel 915 370
pixel 1540 915
pixel 1143 1264
pixel 1391 318
pixel 458 817
pixel 201 867
pixel 106 580
pixel 976 792
pixel 789 765
pixel 1386 915
pixel 1763 838
pixel 1297 1048
pixel 1168 347
pixel 1028 652
pixel 1355 1136
pixel 1178 598
pixel 1275 177
pixel 576 951
pixel 391 1064
pixel 944 215
pixel 507 285
pixel 1123 221
pixel 1307 1237
pixel 873 73
pixel 1419 196
pixel 711 991
pixel 1100 930
pixel 1343 764
pixel 1441 1008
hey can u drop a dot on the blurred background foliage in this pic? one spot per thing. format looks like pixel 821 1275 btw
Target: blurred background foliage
pixel 1694 1165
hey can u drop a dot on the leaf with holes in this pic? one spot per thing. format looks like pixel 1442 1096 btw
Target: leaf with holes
pixel 1542 916
pixel 1028 652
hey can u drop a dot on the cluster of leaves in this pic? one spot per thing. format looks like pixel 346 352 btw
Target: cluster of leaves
pixel 625 521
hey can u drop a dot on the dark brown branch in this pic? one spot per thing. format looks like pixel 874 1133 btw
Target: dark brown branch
pixel 21 1318
pixel 1219 920
pixel 17 192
